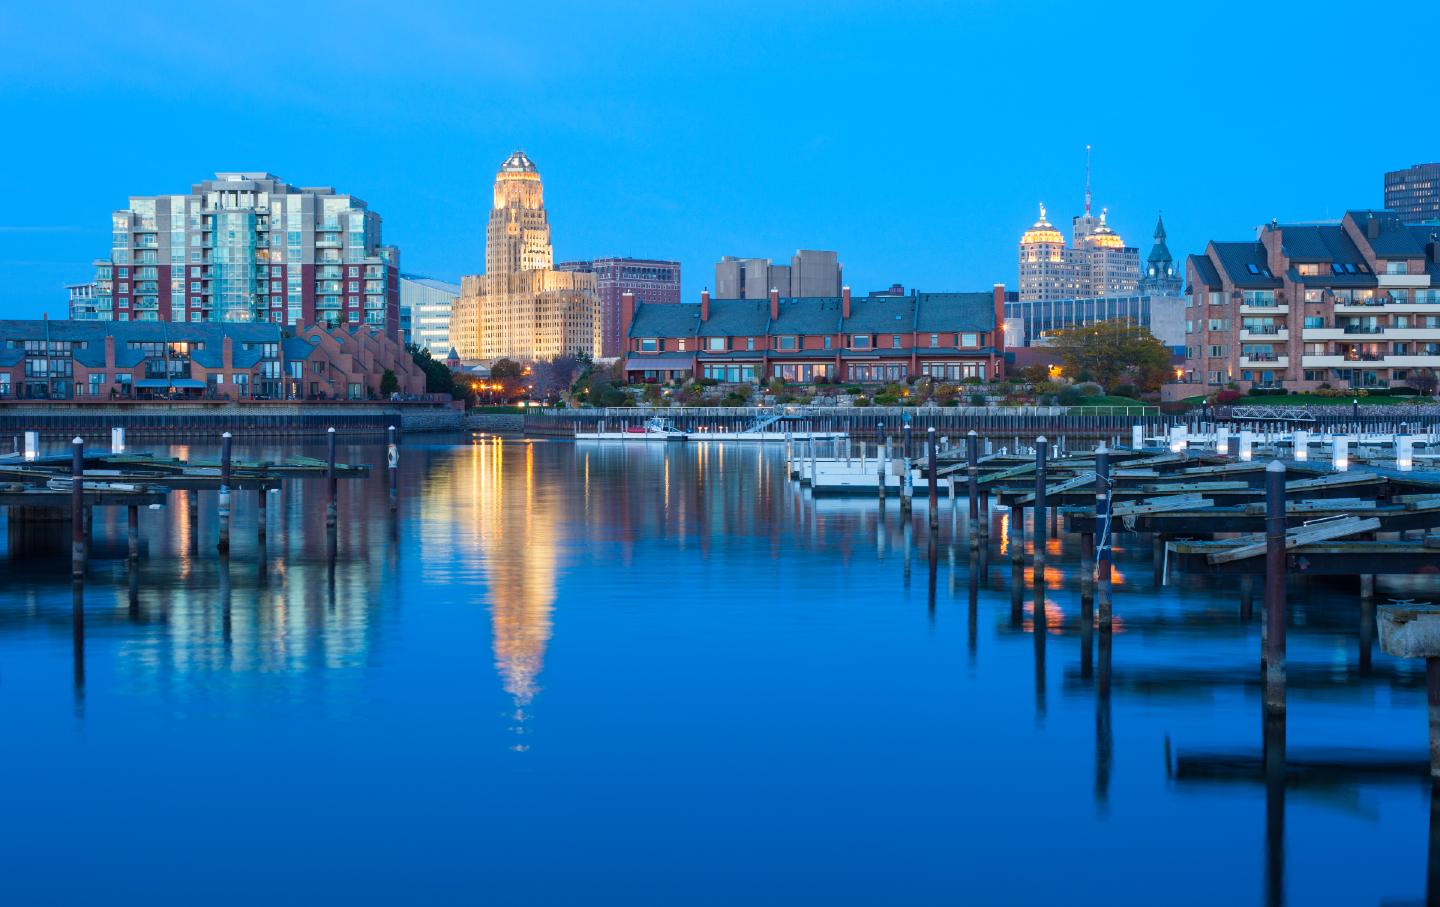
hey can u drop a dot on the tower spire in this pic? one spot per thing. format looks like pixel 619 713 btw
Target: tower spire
pixel 1087 180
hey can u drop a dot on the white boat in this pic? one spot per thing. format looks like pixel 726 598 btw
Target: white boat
pixel 654 429
pixel 763 429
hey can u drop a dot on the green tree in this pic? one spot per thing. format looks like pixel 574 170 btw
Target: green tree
pixel 438 377
pixel 506 370
pixel 1111 351
pixel 389 384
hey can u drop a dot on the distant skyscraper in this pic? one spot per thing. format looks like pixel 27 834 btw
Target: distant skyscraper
pixel 1097 264
pixel 1414 193
pixel 522 307
pixel 810 273
pixel 249 247
pixel 650 280
pixel 425 306
pixel 1161 277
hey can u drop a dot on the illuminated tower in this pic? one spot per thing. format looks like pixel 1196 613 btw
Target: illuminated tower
pixel 1161 277
pixel 522 308
pixel 1046 268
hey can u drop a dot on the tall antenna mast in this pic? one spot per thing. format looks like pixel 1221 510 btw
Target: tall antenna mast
pixel 1087 180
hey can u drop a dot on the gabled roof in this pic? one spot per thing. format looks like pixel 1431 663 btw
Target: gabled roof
pixel 736 318
pixel 1204 270
pixel 956 312
pixel 1245 264
pixel 674 319
pixel 881 314
pixel 1395 238
pixel 807 315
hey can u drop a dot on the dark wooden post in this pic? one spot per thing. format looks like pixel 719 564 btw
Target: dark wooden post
pixel 972 453
pixel 933 479
pixel 882 459
pixel 1275 586
pixel 77 507
pixel 1103 555
pixel 330 479
pixel 392 460
pixel 224 508
pixel 1042 450
pixel 132 532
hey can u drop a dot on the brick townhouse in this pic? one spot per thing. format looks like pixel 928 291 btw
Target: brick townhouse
pixel 866 340
pixel 106 360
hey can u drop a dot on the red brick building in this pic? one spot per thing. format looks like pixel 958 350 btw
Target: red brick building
pixel 951 337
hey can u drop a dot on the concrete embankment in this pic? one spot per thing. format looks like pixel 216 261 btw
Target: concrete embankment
pixel 205 419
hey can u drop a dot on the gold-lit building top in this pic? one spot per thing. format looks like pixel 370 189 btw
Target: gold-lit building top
pixel 1043 232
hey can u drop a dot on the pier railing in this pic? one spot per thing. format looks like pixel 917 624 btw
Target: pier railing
pixel 1095 422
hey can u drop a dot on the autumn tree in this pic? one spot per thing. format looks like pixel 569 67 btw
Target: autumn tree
pixel 1112 352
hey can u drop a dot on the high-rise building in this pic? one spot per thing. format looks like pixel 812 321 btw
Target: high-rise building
pixel 82 301
pixel 648 280
pixel 1348 304
pixel 1162 277
pixel 522 307
pixel 810 274
pixel 1097 264
pixel 1414 193
pixel 425 306
pixel 249 247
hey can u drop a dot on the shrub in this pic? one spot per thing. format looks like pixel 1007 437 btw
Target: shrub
pixel 1404 391
pixel 883 399
pixel 707 382
pixel 733 399
pixel 854 389
pixel 860 401
pixel 977 399
pixel 1090 389
pixel 1126 390
pixel 1228 395
pixel 1069 395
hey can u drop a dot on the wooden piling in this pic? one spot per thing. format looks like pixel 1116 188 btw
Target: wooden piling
pixel 224 507
pixel 972 455
pixel 392 461
pixel 1042 529
pixel 77 507
pixel 132 532
pixel 330 511
pixel 932 480
pixel 1274 646
pixel 1103 556
pixel 1432 701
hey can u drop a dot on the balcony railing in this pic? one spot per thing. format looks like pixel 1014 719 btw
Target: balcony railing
pixel 1364 329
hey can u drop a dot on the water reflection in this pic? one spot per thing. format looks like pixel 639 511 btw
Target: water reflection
pixel 657 614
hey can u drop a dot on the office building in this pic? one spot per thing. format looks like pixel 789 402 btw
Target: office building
pixel 425 306
pixel 1098 263
pixel 1032 322
pixel 248 247
pixel 810 273
pixel 949 337
pixel 1349 304
pixel 649 281
pixel 522 307
pixel 1414 193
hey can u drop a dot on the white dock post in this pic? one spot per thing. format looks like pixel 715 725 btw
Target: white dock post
pixel 117 440
pixel 1340 453
pixel 1137 437
pixel 32 445
pixel 1247 440
pixel 1405 453
pixel 1301 443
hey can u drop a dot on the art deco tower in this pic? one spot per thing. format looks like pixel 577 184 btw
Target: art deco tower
pixel 521 307
pixel 518 237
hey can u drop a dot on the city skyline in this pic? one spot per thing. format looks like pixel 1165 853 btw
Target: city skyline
pixel 666 186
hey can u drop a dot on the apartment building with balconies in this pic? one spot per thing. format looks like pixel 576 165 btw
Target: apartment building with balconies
pixel 1353 304
pixel 248 247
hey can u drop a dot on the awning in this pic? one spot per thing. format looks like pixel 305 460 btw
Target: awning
pixel 177 383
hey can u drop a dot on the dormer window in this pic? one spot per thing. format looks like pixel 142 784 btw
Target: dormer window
pixel 649 345
pixel 860 341
pixel 716 344
pixel 786 343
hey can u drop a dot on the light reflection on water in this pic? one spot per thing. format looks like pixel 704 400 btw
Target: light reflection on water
pixel 660 672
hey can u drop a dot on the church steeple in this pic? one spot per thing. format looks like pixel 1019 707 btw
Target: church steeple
pixel 1161 278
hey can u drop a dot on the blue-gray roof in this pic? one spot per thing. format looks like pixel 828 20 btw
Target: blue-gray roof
pixel 955 312
pixel 930 312
pixel 676 319
pixel 1205 271
pixel 1245 264
pixel 736 318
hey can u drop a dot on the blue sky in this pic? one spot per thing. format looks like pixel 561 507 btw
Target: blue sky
pixel 915 138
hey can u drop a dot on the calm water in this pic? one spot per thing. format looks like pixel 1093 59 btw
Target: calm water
pixel 570 674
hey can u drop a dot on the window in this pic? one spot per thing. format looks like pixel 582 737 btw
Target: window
pixel 969 340
pixel 895 342
pixel 827 341
pixel 649 345
pixel 749 343
pixel 680 344
pixel 1397 267
pixel 786 343
pixel 319 368
pixel 1217 351
pixel 860 341
pixel 1314 321
pixel 716 344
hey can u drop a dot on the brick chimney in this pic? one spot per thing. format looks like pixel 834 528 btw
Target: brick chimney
pixel 705 305
pixel 844 302
pixel 998 336
pixel 774 304
pixel 627 315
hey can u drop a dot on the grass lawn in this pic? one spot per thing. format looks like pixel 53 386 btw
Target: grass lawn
pixel 1313 400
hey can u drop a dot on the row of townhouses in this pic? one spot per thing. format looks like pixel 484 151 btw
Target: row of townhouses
pixel 110 360
pixel 869 339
